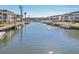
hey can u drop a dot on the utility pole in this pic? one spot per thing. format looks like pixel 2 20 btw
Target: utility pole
pixel 21 13
pixel 21 19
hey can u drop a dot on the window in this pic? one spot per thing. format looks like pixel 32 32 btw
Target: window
pixel 77 18
pixel 4 16
pixel 71 17
pixel 66 17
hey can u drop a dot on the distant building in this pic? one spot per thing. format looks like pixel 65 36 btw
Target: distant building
pixel 52 18
pixel 7 16
pixel 56 18
pixel 73 16
pixel 69 17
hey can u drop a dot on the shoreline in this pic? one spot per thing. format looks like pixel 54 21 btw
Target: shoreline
pixel 7 27
pixel 65 25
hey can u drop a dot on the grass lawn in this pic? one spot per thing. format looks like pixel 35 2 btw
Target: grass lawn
pixel 3 24
pixel 67 23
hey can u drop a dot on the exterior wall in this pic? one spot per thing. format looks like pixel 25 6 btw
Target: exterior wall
pixel 68 17
pixel 6 16
pixel 76 17
pixel 65 17
pixel 71 17
pixel 56 18
pixel 52 18
pixel 59 17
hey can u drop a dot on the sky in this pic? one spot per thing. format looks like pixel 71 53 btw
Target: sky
pixel 42 10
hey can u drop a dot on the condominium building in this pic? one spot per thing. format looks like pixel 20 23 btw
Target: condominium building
pixel 71 17
pixel 7 16
pixel 56 17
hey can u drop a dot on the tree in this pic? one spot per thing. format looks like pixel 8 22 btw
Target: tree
pixel 18 16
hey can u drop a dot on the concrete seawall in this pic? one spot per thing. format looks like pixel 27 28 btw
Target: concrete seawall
pixel 11 26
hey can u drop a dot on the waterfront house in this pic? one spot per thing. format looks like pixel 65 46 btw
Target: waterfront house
pixel 52 18
pixel 73 16
pixel 68 17
pixel 7 16
pixel 56 17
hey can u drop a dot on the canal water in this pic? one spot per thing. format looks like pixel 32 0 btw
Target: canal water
pixel 39 38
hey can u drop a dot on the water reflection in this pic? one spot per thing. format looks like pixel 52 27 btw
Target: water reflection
pixel 8 36
pixel 74 34
pixel 40 38
pixel 21 33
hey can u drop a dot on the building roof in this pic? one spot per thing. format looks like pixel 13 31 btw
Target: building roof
pixel 71 13
pixel 4 10
pixel 75 12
